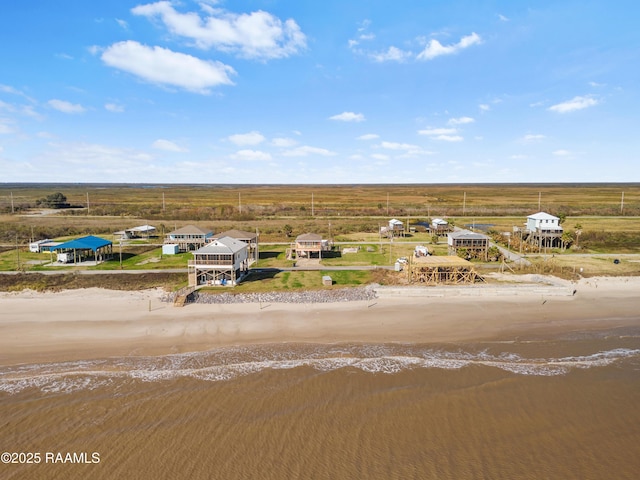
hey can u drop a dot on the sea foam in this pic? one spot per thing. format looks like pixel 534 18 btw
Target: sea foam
pixel 223 364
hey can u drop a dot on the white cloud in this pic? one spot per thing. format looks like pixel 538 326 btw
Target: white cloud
pixel 122 23
pixel 503 18
pixel 114 107
pixel 460 120
pixel 435 49
pixel 15 91
pixel 380 156
pixel 562 153
pixel 306 150
pixel 163 66
pixel 576 103
pixel 518 157
pixel 533 137
pixel 257 34
pixel 399 146
pixel 251 155
pixel 368 136
pixel 283 142
pixel 5 128
pixel 393 54
pixel 484 107
pixel 432 132
pixel 65 107
pixel 251 138
pixel 169 146
pixel 449 138
pixel 597 85
pixel 348 117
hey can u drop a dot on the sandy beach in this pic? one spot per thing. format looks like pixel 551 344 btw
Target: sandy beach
pixel 92 323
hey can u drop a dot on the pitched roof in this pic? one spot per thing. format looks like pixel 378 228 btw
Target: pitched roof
pixel 543 216
pixel 142 228
pixel 223 245
pixel 467 234
pixel 439 221
pixel 237 234
pixel 309 237
pixel 191 230
pixel 85 243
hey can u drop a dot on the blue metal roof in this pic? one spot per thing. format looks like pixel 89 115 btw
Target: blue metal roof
pixel 84 243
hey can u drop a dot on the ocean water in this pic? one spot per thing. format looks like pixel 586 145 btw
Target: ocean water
pixel 563 407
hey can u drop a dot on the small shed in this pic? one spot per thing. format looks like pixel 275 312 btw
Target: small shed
pixel 170 249
pixel 327 281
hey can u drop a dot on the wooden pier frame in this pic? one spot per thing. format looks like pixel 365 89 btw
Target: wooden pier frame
pixel 449 270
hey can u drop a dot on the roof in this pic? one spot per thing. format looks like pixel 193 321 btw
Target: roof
pixel 85 243
pixel 309 237
pixel 467 234
pixel 395 221
pixel 191 230
pixel 443 261
pixel 142 228
pixel 543 216
pixel 237 234
pixel 439 221
pixel 223 245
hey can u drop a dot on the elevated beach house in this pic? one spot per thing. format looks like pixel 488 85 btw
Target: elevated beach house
pixel 189 238
pixel 396 228
pixel 475 245
pixel 439 227
pixel 543 230
pixel 310 245
pixel 251 239
pixel 222 261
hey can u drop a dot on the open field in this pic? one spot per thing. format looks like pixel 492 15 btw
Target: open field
pixel 251 202
pixel 349 215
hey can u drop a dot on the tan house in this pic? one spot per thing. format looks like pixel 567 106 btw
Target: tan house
pixel 221 262
pixel 189 238
pixel 310 245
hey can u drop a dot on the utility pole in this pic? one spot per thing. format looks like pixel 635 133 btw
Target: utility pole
pixel 622 204
pixel 12 202
pixel 239 203
pixel 387 204
pixel 88 203
pixel 312 207
pixel 17 253
pixel 464 204
pixel 163 201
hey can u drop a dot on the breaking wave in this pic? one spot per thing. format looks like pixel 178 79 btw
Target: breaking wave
pixel 228 363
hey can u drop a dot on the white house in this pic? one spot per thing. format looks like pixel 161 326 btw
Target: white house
pixel 221 262
pixel 542 222
pixel 543 230
pixel 189 238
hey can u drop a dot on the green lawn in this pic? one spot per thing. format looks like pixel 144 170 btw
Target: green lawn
pixel 288 281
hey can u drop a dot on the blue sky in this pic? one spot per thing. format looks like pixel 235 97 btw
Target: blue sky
pixel 354 91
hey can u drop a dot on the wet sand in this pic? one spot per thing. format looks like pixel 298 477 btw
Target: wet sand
pixel 92 323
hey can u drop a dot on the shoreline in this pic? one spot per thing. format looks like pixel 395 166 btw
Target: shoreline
pixel 96 323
